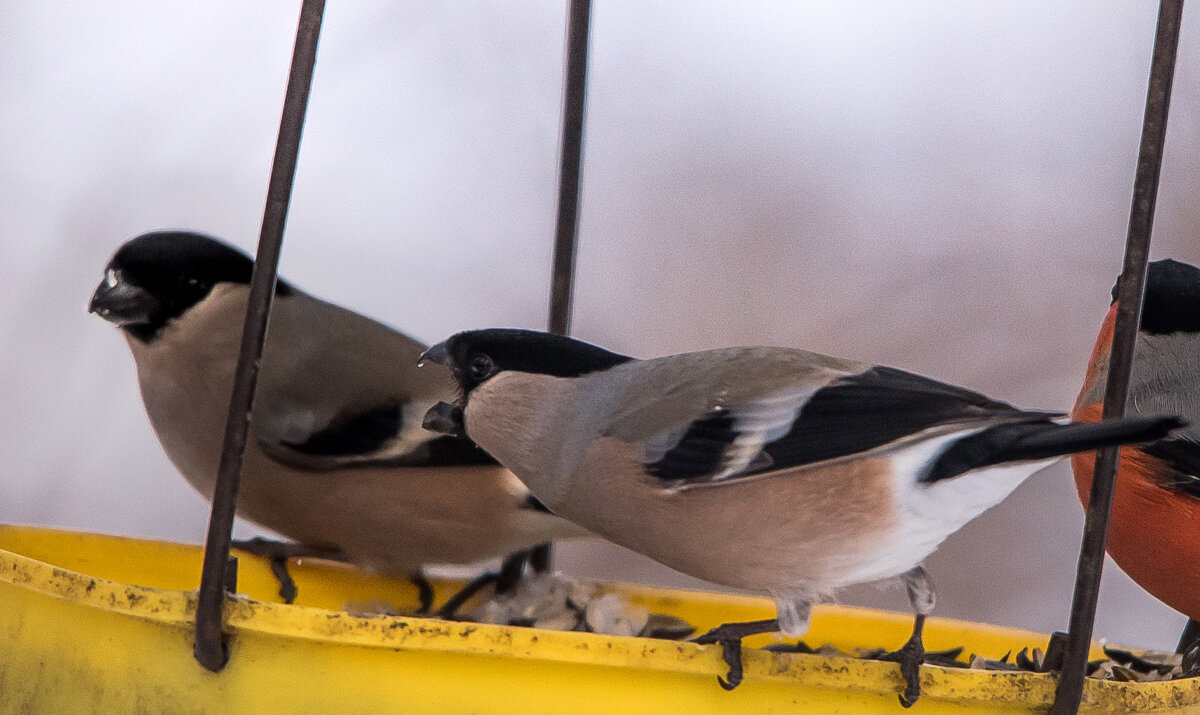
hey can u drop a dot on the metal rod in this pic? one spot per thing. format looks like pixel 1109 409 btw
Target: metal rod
pixel 1129 310
pixel 562 280
pixel 208 648
pixel 567 225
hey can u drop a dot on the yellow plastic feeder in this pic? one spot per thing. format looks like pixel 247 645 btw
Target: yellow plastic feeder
pixel 94 623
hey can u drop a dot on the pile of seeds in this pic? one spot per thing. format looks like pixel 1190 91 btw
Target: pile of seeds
pixel 1149 667
pixel 556 602
pixel 1120 665
pixel 563 604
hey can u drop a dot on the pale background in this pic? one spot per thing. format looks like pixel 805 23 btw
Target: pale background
pixel 942 187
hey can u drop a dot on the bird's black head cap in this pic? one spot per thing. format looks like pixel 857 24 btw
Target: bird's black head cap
pixel 156 277
pixel 1172 303
pixel 477 355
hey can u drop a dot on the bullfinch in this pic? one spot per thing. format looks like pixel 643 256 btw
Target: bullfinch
pixel 1154 531
pixel 767 469
pixel 337 458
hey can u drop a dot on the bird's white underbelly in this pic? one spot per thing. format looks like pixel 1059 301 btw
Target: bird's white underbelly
pixel 928 513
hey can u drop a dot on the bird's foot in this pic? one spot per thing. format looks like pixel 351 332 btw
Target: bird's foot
pixel 730 637
pixel 424 592
pixel 287 585
pixel 910 657
pixel 507 579
pixel 449 610
pixel 512 570
pixel 278 552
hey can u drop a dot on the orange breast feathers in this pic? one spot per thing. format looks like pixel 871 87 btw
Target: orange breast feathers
pixel 1097 368
pixel 1154 534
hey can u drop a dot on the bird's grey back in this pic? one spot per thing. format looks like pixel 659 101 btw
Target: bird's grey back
pixel 1164 379
pixel 672 391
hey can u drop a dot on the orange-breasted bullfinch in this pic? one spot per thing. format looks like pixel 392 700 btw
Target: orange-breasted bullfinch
pixel 337 457
pixel 1154 532
pixel 767 469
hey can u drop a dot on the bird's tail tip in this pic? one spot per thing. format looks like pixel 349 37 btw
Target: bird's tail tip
pixel 1149 428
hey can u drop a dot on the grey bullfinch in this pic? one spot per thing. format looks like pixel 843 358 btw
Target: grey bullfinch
pixel 337 458
pixel 772 470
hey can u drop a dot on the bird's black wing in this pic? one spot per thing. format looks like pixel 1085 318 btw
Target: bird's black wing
pixel 879 406
pixel 1182 457
pixel 359 433
pixel 373 437
pixel 848 416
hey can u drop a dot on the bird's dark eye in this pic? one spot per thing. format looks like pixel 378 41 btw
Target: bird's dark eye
pixel 481 368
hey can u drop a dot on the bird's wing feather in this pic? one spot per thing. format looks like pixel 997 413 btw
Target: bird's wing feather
pixel 1182 457
pixel 349 394
pixel 370 437
pixel 803 424
pixel 670 393
pixel 351 433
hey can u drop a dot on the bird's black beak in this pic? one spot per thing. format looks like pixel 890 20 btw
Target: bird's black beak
pixel 435 354
pixel 445 418
pixel 121 302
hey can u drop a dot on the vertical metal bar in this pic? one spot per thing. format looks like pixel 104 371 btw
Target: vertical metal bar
pixel 562 282
pixel 208 648
pixel 1129 311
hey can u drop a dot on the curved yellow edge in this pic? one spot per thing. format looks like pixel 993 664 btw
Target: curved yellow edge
pixel 79 636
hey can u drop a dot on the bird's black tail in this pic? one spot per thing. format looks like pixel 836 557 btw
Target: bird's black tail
pixel 1027 441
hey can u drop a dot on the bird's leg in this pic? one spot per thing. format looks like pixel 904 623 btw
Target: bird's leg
pixel 287 586
pixel 449 610
pixel 512 568
pixel 278 553
pixel 424 592
pixel 730 637
pixel 539 558
pixel 910 656
pixel 270 548
pixel 1191 634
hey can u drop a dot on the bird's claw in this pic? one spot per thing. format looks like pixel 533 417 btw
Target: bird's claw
pixel 424 592
pixel 277 554
pixel 909 657
pixel 730 637
pixel 731 652
pixel 449 610
pixel 287 585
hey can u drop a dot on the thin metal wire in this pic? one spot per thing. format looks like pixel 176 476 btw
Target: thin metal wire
pixel 1129 310
pixel 214 580
pixel 562 281
pixel 566 228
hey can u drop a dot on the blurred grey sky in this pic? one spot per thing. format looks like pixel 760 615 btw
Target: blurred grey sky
pixel 942 187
